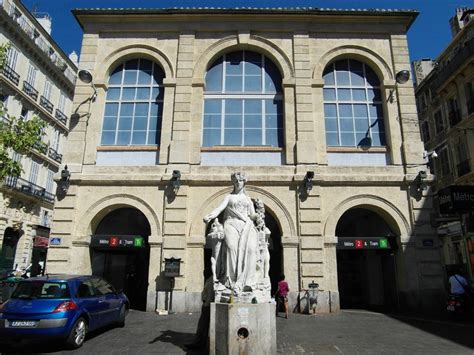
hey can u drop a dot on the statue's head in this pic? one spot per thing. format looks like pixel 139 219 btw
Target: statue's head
pixel 238 179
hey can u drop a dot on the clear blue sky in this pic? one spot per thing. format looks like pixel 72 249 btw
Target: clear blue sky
pixel 428 36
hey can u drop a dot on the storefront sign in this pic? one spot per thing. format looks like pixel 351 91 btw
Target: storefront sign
pixel 456 199
pixel 172 266
pixel 363 243
pixel 117 241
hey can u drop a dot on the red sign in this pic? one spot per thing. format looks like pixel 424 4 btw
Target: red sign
pixel 359 244
pixel 113 241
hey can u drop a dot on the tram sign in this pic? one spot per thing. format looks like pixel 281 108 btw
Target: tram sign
pixel 117 241
pixel 363 243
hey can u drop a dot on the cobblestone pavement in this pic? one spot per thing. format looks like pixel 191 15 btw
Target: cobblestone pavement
pixel 349 332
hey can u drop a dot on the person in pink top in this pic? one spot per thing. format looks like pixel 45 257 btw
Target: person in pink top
pixel 282 295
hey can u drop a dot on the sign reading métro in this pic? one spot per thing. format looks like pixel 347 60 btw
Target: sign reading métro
pixel 363 243
pixel 456 198
pixel 117 241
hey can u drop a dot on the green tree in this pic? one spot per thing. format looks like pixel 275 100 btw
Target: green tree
pixel 17 135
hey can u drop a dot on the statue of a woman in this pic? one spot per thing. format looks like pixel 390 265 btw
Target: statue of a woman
pixel 240 236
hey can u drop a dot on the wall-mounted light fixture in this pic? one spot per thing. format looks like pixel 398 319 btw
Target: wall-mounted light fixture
pixel 428 155
pixel 65 177
pixel 420 181
pixel 176 179
pixel 400 78
pixel 86 77
pixel 308 181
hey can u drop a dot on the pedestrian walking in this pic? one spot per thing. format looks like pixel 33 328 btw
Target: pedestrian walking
pixel 282 296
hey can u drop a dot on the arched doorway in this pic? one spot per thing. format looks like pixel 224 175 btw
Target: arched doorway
pixel 366 267
pixel 121 254
pixel 10 242
pixel 275 248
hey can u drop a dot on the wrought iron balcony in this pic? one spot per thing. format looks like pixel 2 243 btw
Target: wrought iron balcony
pixel 46 104
pixel 28 188
pixel 463 168
pixel 41 147
pixel 12 75
pixel 53 154
pixel 61 116
pixel 30 90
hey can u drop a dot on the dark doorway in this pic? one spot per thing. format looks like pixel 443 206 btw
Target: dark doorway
pixel 366 266
pixel 118 258
pixel 8 252
pixel 275 248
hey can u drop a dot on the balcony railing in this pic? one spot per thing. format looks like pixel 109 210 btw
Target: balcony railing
pixel 12 75
pixel 47 105
pixel 28 188
pixel 30 90
pixel 53 154
pixel 463 168
pixel 454 118
pixel 61 116
pixel 40 147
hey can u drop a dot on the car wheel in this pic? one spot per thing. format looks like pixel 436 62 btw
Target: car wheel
pixel 122 315
pixel 78 334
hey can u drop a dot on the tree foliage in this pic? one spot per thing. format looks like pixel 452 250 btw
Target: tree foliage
pixel 17 135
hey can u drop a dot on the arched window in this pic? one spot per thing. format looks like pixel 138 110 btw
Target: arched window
pixel 243 102
pixel 134 104
pixel 353 105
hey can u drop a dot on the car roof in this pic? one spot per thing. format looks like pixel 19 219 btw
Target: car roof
pixel 60 277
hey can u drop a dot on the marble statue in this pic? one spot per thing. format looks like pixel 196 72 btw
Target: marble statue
pixel 240 258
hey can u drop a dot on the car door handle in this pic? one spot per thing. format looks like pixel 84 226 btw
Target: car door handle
pixel 101 301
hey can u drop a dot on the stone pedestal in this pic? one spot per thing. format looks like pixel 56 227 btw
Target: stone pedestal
pixel 242 329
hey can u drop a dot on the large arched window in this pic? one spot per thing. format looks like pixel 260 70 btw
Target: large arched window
pixel 243 102
pixel 134 104
pixel 353 105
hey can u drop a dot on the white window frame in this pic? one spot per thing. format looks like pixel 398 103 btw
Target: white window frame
pixel 48 88
pixel 34 171
pixel 12 57
pixel 31 76
pixel 50 181
pixel 62 102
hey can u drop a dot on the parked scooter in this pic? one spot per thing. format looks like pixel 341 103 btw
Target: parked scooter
pixel 458 306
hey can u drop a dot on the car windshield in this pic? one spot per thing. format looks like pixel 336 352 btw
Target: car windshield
pixel 41 289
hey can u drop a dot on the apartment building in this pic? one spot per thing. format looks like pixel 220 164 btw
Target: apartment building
pixel 37 80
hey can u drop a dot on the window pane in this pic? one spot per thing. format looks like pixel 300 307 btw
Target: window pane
pixel 329 94
pixel 212 121
pixel 153 137
pixel 345 110
pixel 157 94
pixel 362 139
pixel 355 65
pixel 233 83
pixel 361 125
pixel 146 64
pixel 141 109
pixel 132 64
pixel 108 138
pixel 233 106
pixel 111 109
pixel 375 111
pixel 116 76
pixel 253 106
pixel 332 139
pixel 234 63
pixel 273 107
pixel 346 125
pixel 372 78
pixel 233 137
pixel 158 75
pixel 357 78
pixel 123 138
pixel 139 123
pixel 272 121
pixel 253 121
pixel 211 137
pixel 153 123
pixel 344 94
pixel 139 137
pixel 272 137
pixel 272 77
pixel 128 94
pixel 253 68
pixel 347 139
pixel 113 94
pixel 143 93
pixel 374 95
pixel 328 76
pixel 342 78
pixel 330 110
pixel 233 121
pixel 358 95
pixel 212 106
pixel 253 83
pixel 110 123
pixel 155 110
pixel 253 137
pixel 214 76
pixel 360 111
pixel 342 65
pixel 125 123
pixel 378 139
pixel 126 110
pixel 130 77
pixel 144 77
pixel 331 124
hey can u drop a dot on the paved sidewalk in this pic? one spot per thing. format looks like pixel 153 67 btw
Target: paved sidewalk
pixel 349 332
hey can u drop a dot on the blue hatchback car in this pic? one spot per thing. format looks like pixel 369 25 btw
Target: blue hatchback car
pixel 61 306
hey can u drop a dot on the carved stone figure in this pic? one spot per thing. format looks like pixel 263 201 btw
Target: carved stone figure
pixel 241 263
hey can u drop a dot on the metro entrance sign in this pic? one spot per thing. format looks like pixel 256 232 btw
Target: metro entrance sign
pixel 117 241
pixel 363 243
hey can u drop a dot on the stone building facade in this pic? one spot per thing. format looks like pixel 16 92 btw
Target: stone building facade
pixel 37 80
pixel 445 100
pixel 305 102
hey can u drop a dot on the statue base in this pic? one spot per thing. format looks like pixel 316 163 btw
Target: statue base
pixel 242 328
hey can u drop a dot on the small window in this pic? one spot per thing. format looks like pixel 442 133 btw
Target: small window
pixel 41 289
pixel 425 131
pixel 85 289
pixel 442 162
pixel 439 122
pixel 102 287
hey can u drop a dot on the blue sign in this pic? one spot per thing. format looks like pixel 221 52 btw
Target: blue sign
pixel 54 241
